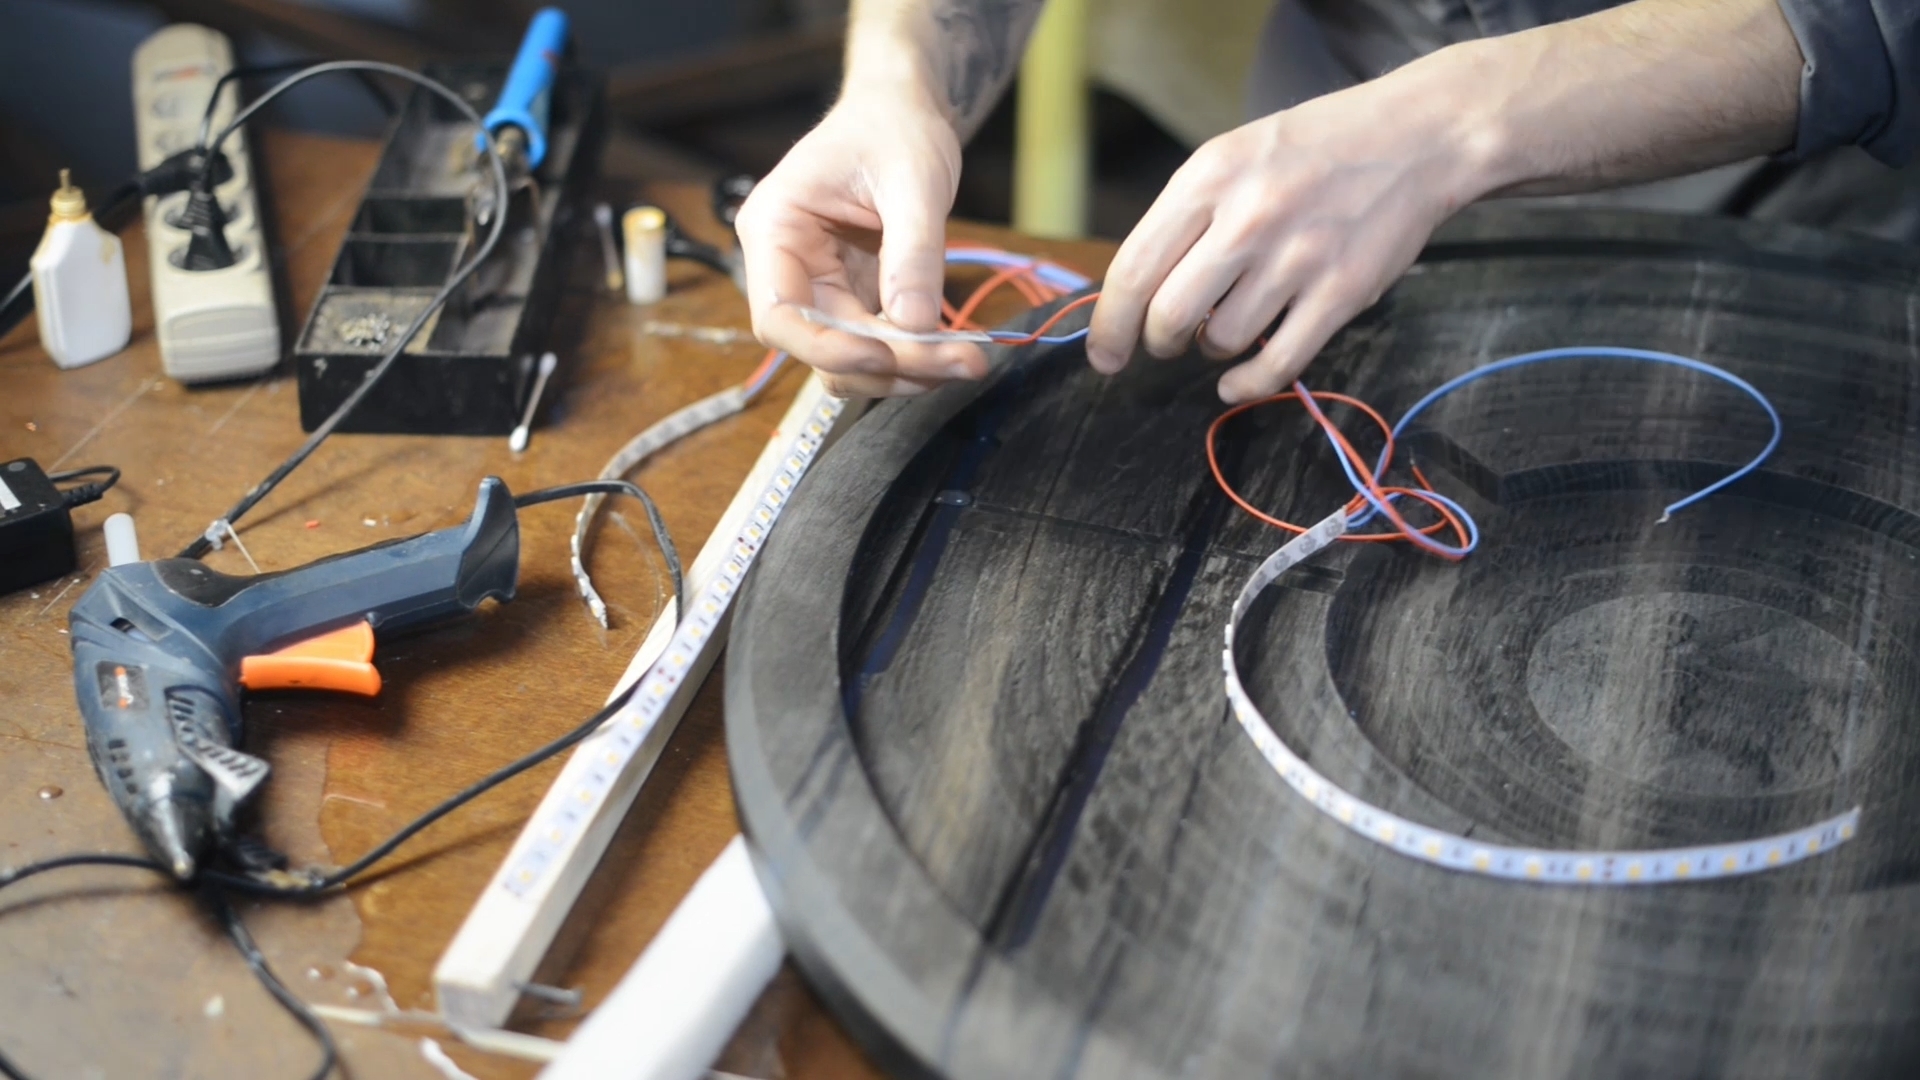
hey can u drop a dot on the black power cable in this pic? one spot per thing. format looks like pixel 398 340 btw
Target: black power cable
pixel 385 101
pixel 211 881
pixel 229 921
pixel 210 162
pixel 127 194
pixel 257 960
pixel 82 494
pixel 622 487
pixel 203 544
pixel 319 883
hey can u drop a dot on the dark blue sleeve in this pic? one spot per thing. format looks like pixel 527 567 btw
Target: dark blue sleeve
pixel 1861 82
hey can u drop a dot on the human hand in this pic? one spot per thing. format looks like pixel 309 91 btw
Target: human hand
pixel 853 221
pixel 1314 211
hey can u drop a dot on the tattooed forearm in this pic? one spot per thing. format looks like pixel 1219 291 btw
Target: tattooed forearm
pixel 959 54
pixel 979 46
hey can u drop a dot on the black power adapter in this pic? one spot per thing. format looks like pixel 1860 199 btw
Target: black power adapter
pixel 36 523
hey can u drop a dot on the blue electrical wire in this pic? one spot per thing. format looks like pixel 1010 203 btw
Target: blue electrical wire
pixel 1052 273
pixel 1578 352
pixel 756 385
pixel 1015 336
pixel 1377 506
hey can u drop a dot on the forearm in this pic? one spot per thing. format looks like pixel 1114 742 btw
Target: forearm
pixel 1650 89
pixel 959 55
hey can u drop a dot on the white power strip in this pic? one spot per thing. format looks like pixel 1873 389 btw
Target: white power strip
pixel 212 324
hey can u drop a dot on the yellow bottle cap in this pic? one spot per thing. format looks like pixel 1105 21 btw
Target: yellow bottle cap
pixel 69 202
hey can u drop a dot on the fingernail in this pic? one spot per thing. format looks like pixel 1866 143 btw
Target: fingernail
pixel 1101 362
pixel 914 311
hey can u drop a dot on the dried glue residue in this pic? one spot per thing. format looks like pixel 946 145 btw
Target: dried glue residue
pixel 377 983
pixel 438 1058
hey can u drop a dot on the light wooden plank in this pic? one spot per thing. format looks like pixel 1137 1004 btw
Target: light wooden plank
pixel 507 932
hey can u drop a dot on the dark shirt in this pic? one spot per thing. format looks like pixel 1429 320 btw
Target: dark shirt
pixel 1860 85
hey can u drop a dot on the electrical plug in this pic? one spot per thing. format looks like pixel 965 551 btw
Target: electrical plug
pixel 178 173
pixel 207 222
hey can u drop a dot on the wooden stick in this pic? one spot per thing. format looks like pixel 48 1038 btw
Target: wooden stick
pixel 509 929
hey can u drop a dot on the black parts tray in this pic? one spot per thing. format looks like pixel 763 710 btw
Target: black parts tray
pixel 470 369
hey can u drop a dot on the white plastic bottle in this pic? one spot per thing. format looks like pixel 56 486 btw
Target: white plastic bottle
pixel 80 284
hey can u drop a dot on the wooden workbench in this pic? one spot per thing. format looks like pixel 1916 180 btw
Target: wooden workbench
pixel 113 973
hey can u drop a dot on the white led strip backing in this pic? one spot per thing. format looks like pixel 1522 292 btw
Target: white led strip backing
pixel 665 432
pixel 1454 852
pixel 627 729
pixel 880 331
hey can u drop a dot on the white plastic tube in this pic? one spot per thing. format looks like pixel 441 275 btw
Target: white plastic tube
pixel 682 1000
pixel 645 231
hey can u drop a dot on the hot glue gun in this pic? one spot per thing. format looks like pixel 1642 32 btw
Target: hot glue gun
pixel 162 651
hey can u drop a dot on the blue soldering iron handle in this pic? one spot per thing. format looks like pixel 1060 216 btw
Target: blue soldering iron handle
pixel 159 649
pixel 528 95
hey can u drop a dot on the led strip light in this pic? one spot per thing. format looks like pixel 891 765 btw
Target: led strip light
pixel 667 431
pixel 1454 852
pixel 627 730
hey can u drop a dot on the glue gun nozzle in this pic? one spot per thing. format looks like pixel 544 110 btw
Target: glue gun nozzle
pixel 172 834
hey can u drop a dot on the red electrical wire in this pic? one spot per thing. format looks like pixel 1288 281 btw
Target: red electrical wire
pixel 1041 331
pixel 1018 275
pixel 767 363
pixel 1404 530
pixel 1381 494
pixel 1036 291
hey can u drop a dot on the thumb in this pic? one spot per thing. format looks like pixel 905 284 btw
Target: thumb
pixel 913 250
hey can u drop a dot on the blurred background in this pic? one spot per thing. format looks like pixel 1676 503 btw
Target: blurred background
pixel 697 89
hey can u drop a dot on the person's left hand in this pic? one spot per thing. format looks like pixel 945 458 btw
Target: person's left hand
pixel 1314 211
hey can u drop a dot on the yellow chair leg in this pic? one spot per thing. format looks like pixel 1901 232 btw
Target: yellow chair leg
pixel 1053 145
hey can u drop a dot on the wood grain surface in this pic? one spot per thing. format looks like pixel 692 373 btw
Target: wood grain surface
pixel 103 973
pixel 1010 829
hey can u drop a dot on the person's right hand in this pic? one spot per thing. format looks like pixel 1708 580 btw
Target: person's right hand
pixel 852 222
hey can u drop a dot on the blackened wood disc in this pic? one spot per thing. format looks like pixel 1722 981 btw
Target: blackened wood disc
pixel 981 747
